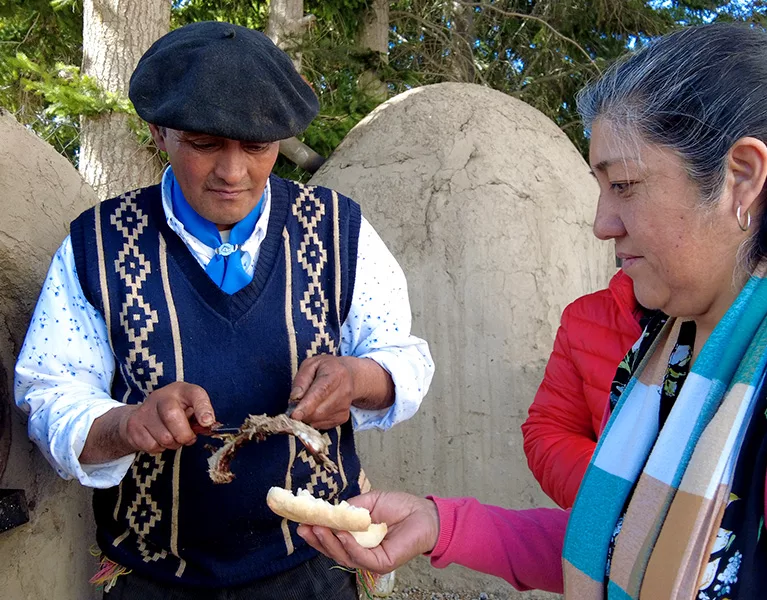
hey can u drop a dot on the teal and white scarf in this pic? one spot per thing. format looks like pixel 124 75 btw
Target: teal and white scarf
pixel 670 486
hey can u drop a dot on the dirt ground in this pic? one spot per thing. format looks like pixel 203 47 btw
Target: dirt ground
pixel 415 593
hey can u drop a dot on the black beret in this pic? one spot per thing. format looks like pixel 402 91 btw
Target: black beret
pixel 222 79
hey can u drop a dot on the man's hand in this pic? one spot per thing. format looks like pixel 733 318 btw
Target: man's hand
pixel 161 422
pixel 413 528
pixel 326 386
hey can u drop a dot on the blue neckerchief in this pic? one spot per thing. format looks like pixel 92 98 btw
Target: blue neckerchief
pixel 225 268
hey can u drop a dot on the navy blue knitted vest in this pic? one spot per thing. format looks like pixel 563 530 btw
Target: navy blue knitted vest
pixel 169 322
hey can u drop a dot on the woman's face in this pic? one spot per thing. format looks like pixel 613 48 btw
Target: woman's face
pixel 680 254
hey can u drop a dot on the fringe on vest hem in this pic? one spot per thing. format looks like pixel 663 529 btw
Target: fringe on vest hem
pixel 106 577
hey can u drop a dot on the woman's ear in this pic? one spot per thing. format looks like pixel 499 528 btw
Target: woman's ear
pixel 747 173
pixel 158 135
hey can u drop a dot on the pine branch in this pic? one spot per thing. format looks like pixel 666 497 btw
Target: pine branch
pixel 518 15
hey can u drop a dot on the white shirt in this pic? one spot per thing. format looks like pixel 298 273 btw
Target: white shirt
pixel 65 368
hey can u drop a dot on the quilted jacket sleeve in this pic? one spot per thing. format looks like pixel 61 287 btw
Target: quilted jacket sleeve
pixel 565 419
pixel 559 436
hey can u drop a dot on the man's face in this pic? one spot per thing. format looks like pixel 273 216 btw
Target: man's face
pixel 222 179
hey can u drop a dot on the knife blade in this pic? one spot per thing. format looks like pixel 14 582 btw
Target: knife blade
pixel 215 429
pixel 291 407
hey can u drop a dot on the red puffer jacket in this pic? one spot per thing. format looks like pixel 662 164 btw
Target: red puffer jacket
pixel 560 434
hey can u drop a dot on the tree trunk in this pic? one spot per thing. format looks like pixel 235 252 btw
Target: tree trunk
pixel 374 36
pixel 286 24
pixel 285 27
pixel 374 33
pixel 463 34
pixel 115 35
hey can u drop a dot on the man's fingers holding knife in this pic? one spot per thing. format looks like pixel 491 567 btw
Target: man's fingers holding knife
pixel 165 417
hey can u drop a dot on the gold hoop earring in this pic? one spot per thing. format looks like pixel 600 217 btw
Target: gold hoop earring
pixel 740 221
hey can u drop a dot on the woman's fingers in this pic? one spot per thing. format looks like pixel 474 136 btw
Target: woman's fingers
pixel 343 548
pixel 413 524
pixel 323 543
pixel 372 559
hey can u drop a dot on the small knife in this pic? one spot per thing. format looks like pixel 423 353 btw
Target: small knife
pixel 291 407
pixel 215 429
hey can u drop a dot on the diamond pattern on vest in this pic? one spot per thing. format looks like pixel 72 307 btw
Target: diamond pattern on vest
pixel 138 320
pixel 136 315
pixel 144 513
pixel 313 258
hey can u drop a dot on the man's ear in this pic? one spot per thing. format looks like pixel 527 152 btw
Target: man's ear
pixel 747 173
pixel 158 135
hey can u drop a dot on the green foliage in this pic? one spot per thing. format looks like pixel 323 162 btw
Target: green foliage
pixel 344 15
pixel 333 64
pixel 542 52
pixel 66 96
pixel 49 37
pixel 67 92
pixel 248 13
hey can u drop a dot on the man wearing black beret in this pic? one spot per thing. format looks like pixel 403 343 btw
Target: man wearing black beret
pixel 222 291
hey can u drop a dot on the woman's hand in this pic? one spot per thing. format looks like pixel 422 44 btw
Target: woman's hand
pixel 413 528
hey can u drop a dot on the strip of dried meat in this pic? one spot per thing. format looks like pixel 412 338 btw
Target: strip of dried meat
pixel 256 428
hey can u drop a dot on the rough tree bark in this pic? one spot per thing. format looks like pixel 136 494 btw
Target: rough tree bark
pixel 286 24
pixel 374 32
pixel 463 31
pixel 374 35
pixel 115 35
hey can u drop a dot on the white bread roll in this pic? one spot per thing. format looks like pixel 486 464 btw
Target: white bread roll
pixel 373 536
pixel 305 508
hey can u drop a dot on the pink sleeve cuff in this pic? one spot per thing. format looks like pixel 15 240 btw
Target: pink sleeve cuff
pixel 446 510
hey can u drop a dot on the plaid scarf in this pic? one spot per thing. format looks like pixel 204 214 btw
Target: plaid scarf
pixel 662 478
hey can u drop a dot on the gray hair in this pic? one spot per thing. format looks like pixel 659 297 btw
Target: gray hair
pixel 695 91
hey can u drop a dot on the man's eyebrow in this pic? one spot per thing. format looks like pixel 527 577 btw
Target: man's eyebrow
pixel 193 135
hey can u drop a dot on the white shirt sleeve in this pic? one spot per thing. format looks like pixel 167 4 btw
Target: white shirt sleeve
pixel 64 375
pixel 378 327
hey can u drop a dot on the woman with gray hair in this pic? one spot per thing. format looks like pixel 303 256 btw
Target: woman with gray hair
pixel 672 504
